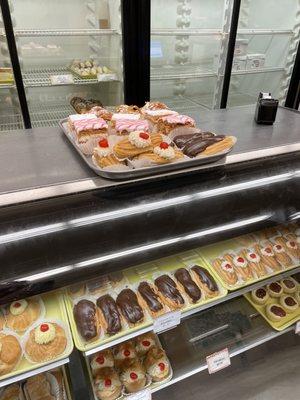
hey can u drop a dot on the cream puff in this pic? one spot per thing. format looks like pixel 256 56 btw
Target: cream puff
pixel 133 375
pixel 103 359
pixel 282 256
pixel 241 266
pixel 275 289
pixel 254 262
pixel 260 296
pixel 157 364
pixel 22 313
pixel 289 303
pixel 10 353
pixel 290 246
pixel 144 343
pixel 275 312
pixel 290 285
pixel 225 270
pixel 124 351
pixel 107 384
pixel 45 342
pixel 268 257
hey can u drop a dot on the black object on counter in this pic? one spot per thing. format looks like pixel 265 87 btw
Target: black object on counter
pixel 266 109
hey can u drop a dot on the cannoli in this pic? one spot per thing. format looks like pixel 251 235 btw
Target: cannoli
pixel 241 266
pixel 254 262
pixel 268 257
pixel 225 270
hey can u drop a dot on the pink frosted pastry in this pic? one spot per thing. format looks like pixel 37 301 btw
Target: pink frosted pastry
pixel 154 115
pixel 125 126
pixel 167 123
pixel 121 116
pixel 89 132
pixel 79 117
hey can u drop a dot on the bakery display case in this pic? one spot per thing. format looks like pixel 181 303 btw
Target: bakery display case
pixel 145 285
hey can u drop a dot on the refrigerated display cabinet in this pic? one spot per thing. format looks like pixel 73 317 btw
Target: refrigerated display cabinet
pixel 62 225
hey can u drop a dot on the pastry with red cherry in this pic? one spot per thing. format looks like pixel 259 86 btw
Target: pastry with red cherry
pixel 107 384
pixel 289 303
pixel 164 153
pixel 281 256
pixel 241 266
pixel 23 313
pixel 157 364
pixel 267 256
pixel 133 375
pixel 137 142
pixel 290 245
pixel 225 270
pixel 275 289
pixel 103 359
pixel 103 155
pixel 144 343
pixel 254 262
pixel 275 312
pixel 124 351
pixel 260 296
pixel 290 285
pixel 45 342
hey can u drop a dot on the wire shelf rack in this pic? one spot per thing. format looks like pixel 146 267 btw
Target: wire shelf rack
pixel 62 32
pixel 48 115
pixel 10 122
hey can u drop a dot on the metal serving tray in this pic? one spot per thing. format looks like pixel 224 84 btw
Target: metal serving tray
pixel 140 172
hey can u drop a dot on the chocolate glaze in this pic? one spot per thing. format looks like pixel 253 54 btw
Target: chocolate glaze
pixel 182 140
pixel 289 284
pixel 111 314
pixel 197 145
pixel 278 311
pixel 150 297
pixel 206 278
pixel 129 306
pixel 85 318
pixel 261 293
pixel 190 287
pixel 290 301
pixel 275 287
pixel 168 289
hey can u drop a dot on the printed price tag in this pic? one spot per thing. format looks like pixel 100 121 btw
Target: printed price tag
pixel 167 321
pixel 61 79
pixel 297 328
pixel 106 77
pixel 142 395
pixel 218 361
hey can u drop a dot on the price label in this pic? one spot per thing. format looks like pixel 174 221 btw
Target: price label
pixel 106 77
pixel 297 328
pixel 167 321
pixel 61 79
pixel 142 395
pixel 217 361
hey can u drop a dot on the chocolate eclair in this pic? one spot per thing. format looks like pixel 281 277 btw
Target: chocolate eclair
pixel 109 314
pixel 196 145
pixel 128 304
pixel 168 292
pixel 86 318
pixel 188 285
pixel 182 140
pixel 150 299
pixel 205 280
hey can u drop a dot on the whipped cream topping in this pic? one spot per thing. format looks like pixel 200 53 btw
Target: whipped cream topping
pixel 178 119
pixel 159 369
pixel 253 257
pixel 139 139
pixel 118 116
pixel 227 267
pixel 267 251
pixel 291 244
pixel 168 153
pixel 145 345
pixel 102 361
pixel 240 262
pixel 132 375
pixel 160 113
pixel 108 382
pixel 125 353
pixel 90 124
pixel 44 333
pixel 102 151
pixel 278 248
pixel 18 307
pixel 132 125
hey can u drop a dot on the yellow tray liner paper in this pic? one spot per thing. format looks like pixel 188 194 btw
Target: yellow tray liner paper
pixel 209 253
pixel 54 310
pixel 287 321
pixel 135 275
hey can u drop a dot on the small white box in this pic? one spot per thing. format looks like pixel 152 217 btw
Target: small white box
pixel 255 61
pixel 239 63
pixel 241 46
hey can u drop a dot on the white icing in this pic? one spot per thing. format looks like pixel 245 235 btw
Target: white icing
pixel 121 356
pixel 255 259
pixel 114 383
pixel 160 113
pixel 227 267
pixel 168 153
pixel 18 307
pixel 154 370
pixel 278 250
pixel 141 348
pixel 78 117
pixel 125 375
pixel 102 151
pixel 107 362
pixel 240 264
pixel 125 116
pixel 291 244
pixel 137 141
pixel 265 253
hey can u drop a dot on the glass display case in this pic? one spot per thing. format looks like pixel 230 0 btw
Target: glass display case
pixel 72 49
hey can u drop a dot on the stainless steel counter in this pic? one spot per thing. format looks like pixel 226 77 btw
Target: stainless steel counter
pixel 40 163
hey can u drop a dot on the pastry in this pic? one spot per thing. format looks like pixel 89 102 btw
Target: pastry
pixel 88 127
pixel 134 144
pixel 196 145
pixel 205 281
pixel 99 286
pixel 109 316
pixel 154 105
pixel 76 290
pixel 254 262
pixel 125 109
pixel 161 154
pixel 268 257
pixel 46 342
pixel 22 313
pixel 289 285
pixel 150 300
pixel 154 115
pixel 127 302
pixel 10 353
pixel 144 343
pixel 124 351
pixel 87 319
pixel 133 375
pixel 79 117
pixel 107 384
pixel 187 285
pixel 103 155
pixel 260 296
pixel 275 289
pixel 38 388
pixel 103 359
pixel 289 303
pixel 225 270
pixel 11 392
pixel 125 126
pixel 157 364
pixel 167 123
pixel 275 313
pixel 58 378
pixel 241 266
pixel 290 246
pixel 101 112
pixel 218 147
pixel 182 140
pixel 122 116
pixel 168 292
pixel 281 256
pixel 2 321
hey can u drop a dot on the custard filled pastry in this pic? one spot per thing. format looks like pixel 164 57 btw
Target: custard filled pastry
pixel 268 258
pixel 124 351
pixel 241 266
pixel 157 365
pixel 254 262
pixel 282 256
pixel 144 343
pixel 103 359
pixel 23 313
pixel 10 353
pixel 107 384
pixel 225 270
pixel 290 246
pixel 133 375
pixel 46 342
pixel 205 281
